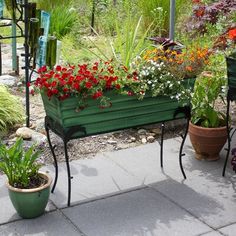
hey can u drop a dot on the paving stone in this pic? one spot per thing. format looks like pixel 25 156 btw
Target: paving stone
pixel 212 233
pixel 8 213
pixel 142 162
pixel 144 212
pixel 92 178
pixel 52 224
pixel 229 230
pixel 208 196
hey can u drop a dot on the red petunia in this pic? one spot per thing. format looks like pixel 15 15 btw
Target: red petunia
pixel 42 69
pixel 97 94
pixel 76 86
pixel 88 85
pixel 58 68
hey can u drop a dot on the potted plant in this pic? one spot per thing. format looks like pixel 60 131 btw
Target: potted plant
pixel 207 128
pixel 28 187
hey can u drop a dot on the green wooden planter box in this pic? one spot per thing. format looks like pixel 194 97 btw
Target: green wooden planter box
pixel 125 112
pixel 231 74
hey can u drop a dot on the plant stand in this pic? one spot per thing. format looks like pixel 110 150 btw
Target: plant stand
pixel 231 96
pixel 126 112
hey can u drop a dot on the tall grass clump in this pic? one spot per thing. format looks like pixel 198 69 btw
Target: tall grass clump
pixel 63 16
pixel 62 21
pixel 157 12
pixel 11 110
pixel 130 40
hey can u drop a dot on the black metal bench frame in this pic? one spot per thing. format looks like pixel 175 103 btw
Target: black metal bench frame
pixel 66 136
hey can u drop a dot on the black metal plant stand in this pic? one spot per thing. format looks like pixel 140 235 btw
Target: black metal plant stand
pixel 67 135
pixel 20 14
pixel 230 97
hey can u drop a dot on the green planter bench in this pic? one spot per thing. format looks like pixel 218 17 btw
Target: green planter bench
pixel 125 112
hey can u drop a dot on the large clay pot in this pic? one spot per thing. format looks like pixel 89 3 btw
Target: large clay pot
pixel 207 142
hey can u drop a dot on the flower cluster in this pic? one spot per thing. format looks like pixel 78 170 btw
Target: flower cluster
pixel 232 38
pixel 156 79
pixel 187 63
pixel 86 81
pixel 227 42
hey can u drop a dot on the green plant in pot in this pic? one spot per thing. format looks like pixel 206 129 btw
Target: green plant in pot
pixel 28 188
pixel 207 128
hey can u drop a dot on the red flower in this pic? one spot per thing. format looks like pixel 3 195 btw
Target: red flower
pixel 42 69
pixel 200 12
pixel 88 85
pixel 54 83
pixel 76 86
pixel 117 86
pixel 196 1
pixel 32 92
pixel 97 94
pixel 232 34
pixel 58 68
pixel 130 93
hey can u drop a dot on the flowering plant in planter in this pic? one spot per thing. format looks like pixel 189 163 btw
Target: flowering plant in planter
pixel 157 73
pixel 86 81
pixel 187 63
pixel 163 71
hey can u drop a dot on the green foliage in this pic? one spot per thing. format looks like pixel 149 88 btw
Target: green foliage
pixel 48 5
pixel 62 21
pixel 18 165
pixel 63 16
pixel 129 41
pixel 11 110
pixel 157 12
pixel 206 92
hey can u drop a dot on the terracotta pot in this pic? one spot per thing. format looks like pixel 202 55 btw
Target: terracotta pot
pixel 207 142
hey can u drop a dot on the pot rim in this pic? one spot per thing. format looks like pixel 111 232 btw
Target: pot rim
pixel 32 190
pixel 205 128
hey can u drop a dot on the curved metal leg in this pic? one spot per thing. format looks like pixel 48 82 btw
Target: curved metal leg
pixel 68 173
pixel 229 138
pixel 162 141
pixel 54 158
pixel 181 154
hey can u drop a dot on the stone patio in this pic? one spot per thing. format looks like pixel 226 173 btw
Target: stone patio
pixel 126 193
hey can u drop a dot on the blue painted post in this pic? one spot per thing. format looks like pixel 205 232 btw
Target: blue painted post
pixel 172 20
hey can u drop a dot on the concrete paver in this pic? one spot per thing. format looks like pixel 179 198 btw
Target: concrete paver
pixel 92 178
pixel 143 212
pixel 7 210
pixel 126 193
pixel 51 224
pixel 229 230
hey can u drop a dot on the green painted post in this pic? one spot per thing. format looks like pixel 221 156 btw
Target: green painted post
pixel 13 44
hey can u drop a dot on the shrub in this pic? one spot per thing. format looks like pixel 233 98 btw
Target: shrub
pixel 11 110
